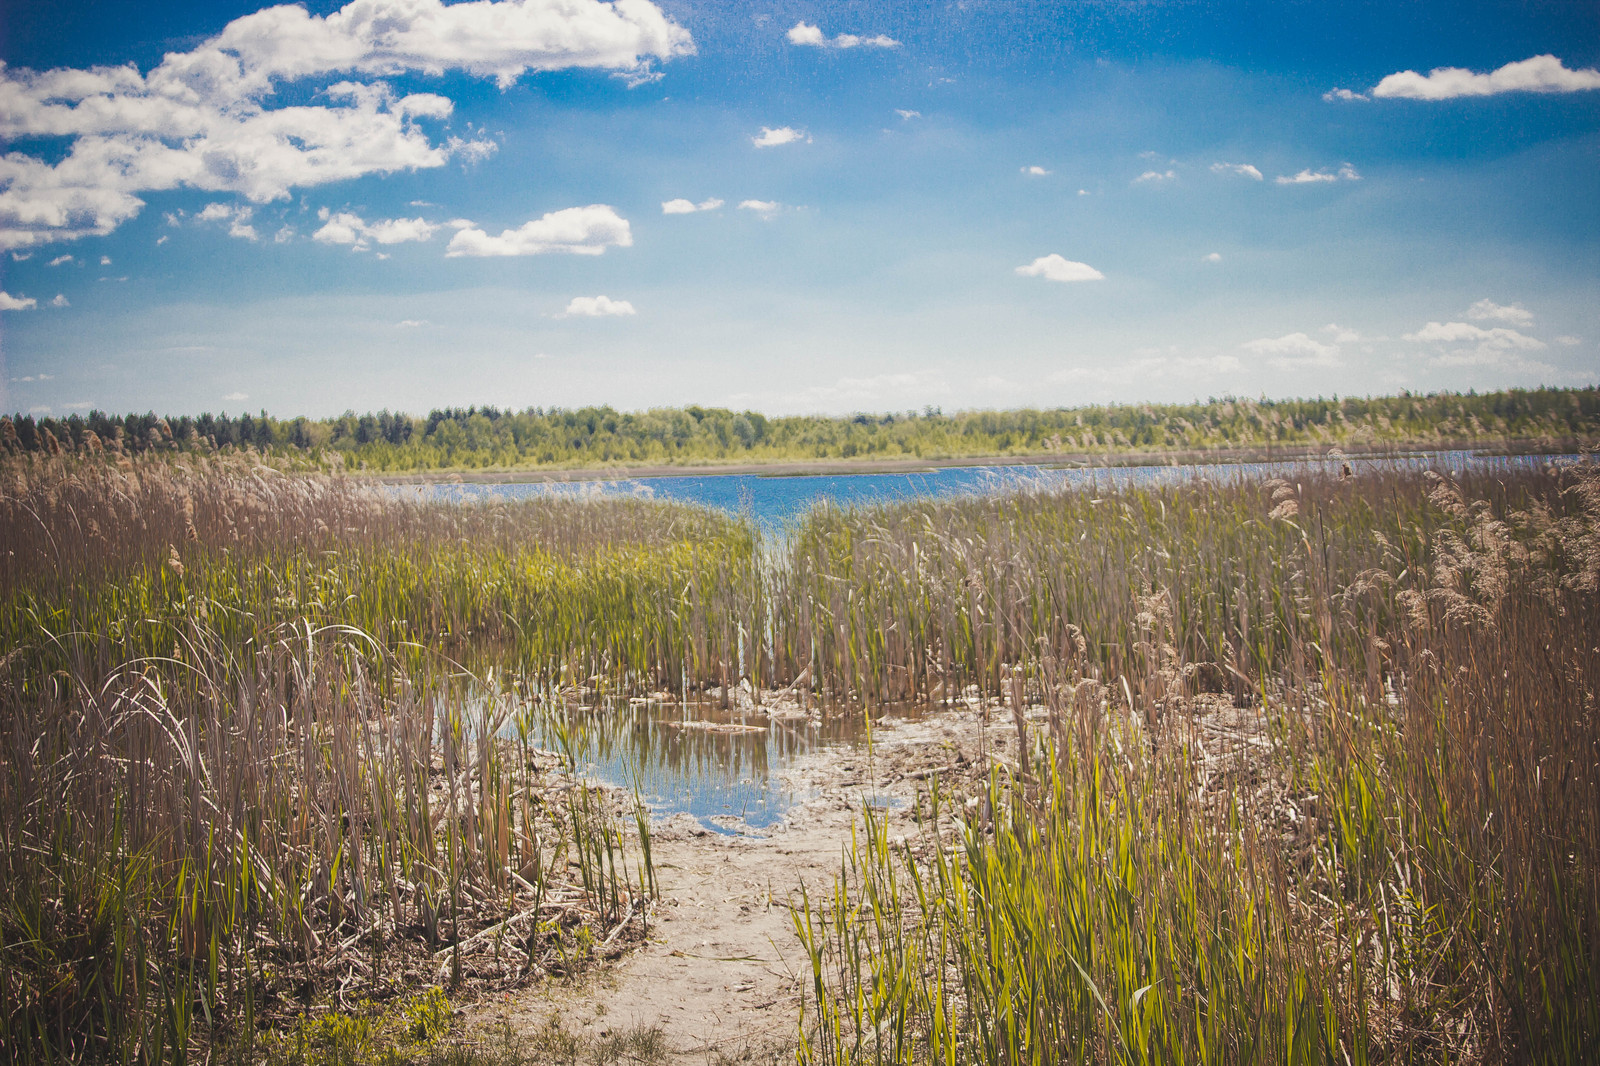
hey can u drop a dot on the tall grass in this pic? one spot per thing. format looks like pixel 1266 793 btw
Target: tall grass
pixel 122 559
pixel 241 769
pixel 1308 772
pixel 1391 853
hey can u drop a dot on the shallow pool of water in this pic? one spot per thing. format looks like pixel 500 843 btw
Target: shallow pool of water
pixel 725 768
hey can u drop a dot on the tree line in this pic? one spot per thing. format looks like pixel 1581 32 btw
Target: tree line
pixel 490 437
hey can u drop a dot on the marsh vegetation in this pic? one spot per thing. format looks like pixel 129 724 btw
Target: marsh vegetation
pixel 1309 769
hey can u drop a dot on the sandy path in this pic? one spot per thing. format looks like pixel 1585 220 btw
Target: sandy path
pixel 721 972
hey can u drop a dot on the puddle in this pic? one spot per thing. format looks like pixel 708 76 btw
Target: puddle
pixel 724 768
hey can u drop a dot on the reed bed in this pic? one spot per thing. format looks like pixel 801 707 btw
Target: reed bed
pixel 1385 847
pixel 266 742
pixel 1310 766
pixel 114 560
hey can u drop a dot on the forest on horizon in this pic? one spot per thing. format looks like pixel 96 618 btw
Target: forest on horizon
pixel 488 437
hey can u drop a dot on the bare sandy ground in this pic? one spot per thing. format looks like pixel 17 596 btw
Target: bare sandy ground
pixel 721 973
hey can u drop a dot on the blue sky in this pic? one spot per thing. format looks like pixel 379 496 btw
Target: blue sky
pixel 793 207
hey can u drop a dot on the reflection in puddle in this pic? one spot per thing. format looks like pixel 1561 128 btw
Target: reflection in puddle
pixel 724 768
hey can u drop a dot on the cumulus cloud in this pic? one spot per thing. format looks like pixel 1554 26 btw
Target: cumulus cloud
pixel 1463 344
pixel 1035 171
pixel 236 397
pixel 1343 94
pixel 579 230
pixel 598 307
pixel 60 301
pixel 681 206
pixel 60 260
pixel 766 208
pixel 1055 268
pixel 1346 172
pixel 200 119
pixel 1294 350
pixel 237 216
pixel 771 138
pixel 1540 74
pixel 411 323
pixel 1214 257
pixel 907 116
pixel 9 302
pixel 345 227
pixel 1156 176
pixel 1489 311
pixel 801 33
pixel 1244 170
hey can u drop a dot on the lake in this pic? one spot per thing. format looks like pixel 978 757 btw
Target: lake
pixel 773 502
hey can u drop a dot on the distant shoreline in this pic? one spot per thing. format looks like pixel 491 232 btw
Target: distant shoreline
pixel 912 465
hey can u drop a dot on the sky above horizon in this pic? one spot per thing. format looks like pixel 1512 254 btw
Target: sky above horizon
pixel 793 207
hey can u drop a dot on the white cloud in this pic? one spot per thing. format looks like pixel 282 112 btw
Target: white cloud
pixel 810 36
pixel 907 116
pixel 1054 268
pixel 1346 172
pixel 580 230
pixel 474 151
pixel 21 257
pixel 1343 94
pixel 1463 344
pixel 9 302
pixel 1035 171
pixel 1540 74
pixel 681 206
pixel 200 118
pixel 766 208
pixel 237 216
pixel 411 323
pixel 1341 335
pixel 1568 341
pixel 771 138
pixel 1488 310
pixel 1156 176
pixel 1214 257
pixel 83 405
pixel 1455 332
pixel 598 307
pixel 1083 192
pixel 105 260
pixel 1244 170
pixel 1294 350
pixel 60 260
pixel 60 301
pixel 236 397
pixel 346 227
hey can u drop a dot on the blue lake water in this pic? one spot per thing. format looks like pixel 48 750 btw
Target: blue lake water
pixel 776 501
